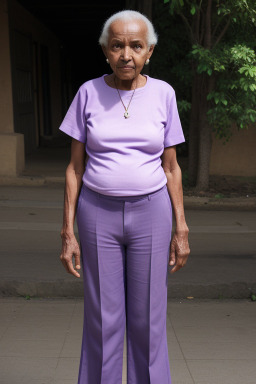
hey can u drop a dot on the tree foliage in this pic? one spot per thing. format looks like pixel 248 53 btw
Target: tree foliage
pixel 230 58
pixel 222 67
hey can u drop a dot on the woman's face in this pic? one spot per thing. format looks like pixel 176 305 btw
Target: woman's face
pixel 127 48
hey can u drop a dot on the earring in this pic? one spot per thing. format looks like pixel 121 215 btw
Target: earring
pixel 147 61
pixel 107 60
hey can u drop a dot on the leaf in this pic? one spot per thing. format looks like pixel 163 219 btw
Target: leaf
pixel 209 71
pixel 181 3
pixel 252 118
pixel 219 195
pixel 166 1
pixel 251 72
pixel 224 102
pixel 241 70
pixel 193 10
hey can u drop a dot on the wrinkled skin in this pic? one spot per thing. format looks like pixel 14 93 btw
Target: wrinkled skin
pixel 73 183
pixel 70 248
pixel 127 45
pixel 179 251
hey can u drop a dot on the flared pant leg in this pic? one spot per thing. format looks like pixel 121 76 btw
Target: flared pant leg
pixel 125 249
pixel 148 242
pixel 103 255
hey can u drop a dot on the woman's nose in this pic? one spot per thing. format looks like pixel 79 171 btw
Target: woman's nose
pixel 126 53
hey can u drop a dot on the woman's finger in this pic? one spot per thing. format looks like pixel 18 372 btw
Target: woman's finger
pixel 172 254
pixel 71 268
pixel 77 260
pixel 175 268
pixel 70 249
pixel 180 249
pixel 64 262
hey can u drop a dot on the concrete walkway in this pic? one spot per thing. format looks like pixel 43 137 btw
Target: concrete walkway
pixel 222 262
pixel 209 341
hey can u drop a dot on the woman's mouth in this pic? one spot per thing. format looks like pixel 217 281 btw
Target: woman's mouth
pixel 126 67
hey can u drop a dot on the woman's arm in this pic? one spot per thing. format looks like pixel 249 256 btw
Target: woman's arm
pixel 179 249
pixel 73 182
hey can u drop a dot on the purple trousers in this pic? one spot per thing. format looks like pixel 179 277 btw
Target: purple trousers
pixel 124 244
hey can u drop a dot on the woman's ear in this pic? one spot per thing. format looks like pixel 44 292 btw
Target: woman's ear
pixel 150 51
pixel 104 50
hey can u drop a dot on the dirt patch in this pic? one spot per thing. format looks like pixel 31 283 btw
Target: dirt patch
pixel 220 186
pixel 226 186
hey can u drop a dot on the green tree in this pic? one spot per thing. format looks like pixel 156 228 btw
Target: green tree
pixel 222 57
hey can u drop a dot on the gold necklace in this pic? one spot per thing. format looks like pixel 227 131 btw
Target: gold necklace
pixel 126 114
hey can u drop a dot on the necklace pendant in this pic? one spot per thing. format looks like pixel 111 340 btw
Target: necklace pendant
pixel 126 114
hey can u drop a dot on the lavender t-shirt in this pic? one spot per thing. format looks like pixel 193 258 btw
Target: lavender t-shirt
pixel 124 153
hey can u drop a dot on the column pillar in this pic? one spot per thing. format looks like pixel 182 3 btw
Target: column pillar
pixel 12 154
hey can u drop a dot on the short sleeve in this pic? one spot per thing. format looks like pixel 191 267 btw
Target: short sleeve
pixel 173 130
pixel 74 123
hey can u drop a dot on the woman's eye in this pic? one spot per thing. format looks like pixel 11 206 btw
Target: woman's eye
pixel 117 45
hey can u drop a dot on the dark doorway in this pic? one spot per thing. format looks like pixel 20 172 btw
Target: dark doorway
pixel 23 95
pixel 46 94
pixel 78 26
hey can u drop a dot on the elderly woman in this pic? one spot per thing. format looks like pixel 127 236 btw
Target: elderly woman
pixel 123 198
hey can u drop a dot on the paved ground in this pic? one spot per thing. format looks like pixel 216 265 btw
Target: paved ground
pixel 222 260
pixel 209 341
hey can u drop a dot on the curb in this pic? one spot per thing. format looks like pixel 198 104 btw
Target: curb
pixel 26 181
pixel 64 288
pixel 221 204
pixel 31 181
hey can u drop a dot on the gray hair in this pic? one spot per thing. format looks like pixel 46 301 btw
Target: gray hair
pixel 128 15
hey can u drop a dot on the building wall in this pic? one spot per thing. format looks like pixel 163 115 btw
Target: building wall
pixel 17 21
pixel 11 144
pixel 238 156
pixel 6 108
pixel 20 19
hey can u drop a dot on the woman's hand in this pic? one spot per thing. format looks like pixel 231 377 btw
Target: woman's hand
pixel 70 247
pixel 179 250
